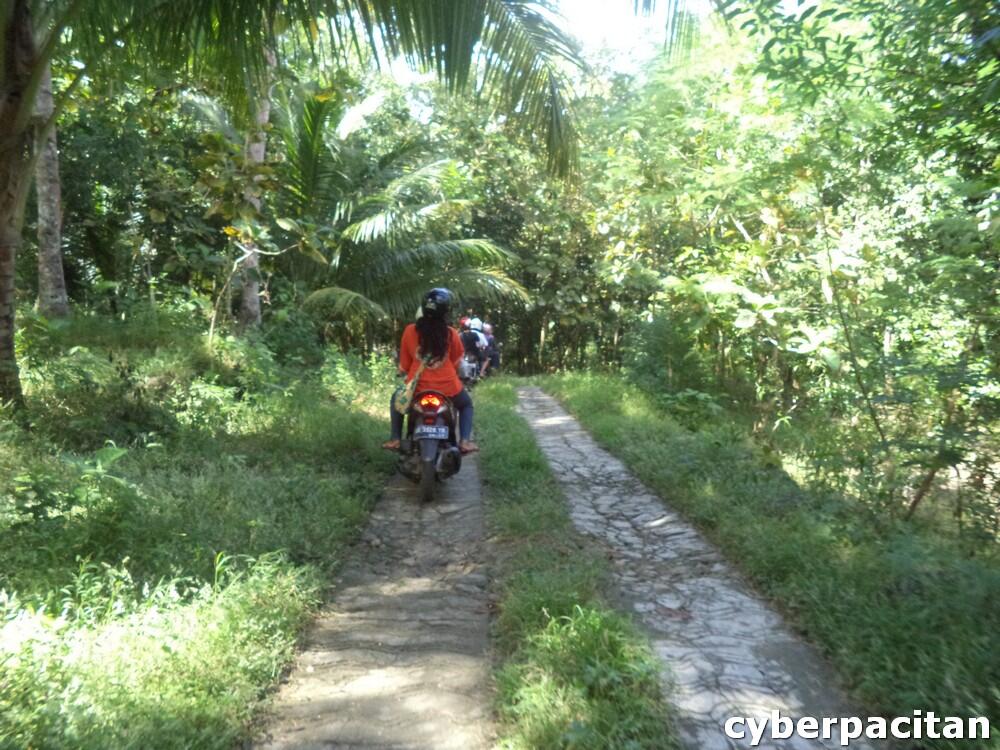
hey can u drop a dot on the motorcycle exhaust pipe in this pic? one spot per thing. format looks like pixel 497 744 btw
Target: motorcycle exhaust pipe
pixel 449 462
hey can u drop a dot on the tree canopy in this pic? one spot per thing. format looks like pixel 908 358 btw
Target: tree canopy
pixel 772 251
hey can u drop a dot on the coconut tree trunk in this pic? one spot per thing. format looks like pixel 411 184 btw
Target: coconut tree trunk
pixel 18 58
pixel 10 382
pixel 52 299
pixel 256 150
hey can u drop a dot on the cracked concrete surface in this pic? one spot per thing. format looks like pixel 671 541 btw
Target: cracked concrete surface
pixel 725 652
pixel 399 658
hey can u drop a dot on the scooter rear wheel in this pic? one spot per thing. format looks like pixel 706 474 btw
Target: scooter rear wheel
pixel 428 480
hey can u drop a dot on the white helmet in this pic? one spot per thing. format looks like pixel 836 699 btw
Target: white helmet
pixel 476 324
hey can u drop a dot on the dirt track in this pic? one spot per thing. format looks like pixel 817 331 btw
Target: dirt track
pixel 399 658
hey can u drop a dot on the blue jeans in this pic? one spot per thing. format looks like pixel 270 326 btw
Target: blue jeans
pixel 462 402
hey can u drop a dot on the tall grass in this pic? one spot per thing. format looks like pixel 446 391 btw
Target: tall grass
pixel 573 672
pixel 181 666
pixel 166 526
pixel 911 622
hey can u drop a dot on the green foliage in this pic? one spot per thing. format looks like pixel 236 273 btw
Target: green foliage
pixel 183 668
pixel 576 312
pixel 153 587
pixel 831 282
pixel 934 61
pixel 575 673
pixel 509 52
pixel 792 234
pixel 348 377
pixel 582 682
pixel 295 337
pixel 134 213
pixel 375 221
pixel 900 611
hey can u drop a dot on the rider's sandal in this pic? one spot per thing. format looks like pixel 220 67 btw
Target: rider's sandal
pixel 391 445
pixel 468 446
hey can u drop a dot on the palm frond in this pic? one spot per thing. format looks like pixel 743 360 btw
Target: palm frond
pixel 399 153
pixel 228 39
pixel 396 225
pixel 399 296
pixel 524 51
pixel 681 29
pixel 396 279
pixel 408 205
pixel 427 179
pixel 367 268
pixel 389 225
pixel 354 118
pixel 487 285
pixel 344 303
pixel 212 114
pixel 312 174
pixel 518 43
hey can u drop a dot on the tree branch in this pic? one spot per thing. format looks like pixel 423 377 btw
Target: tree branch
pixel 852 351
pixel 43 56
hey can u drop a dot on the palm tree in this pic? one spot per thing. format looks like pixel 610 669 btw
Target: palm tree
pixel 375 231
pixel 256 148
pixel 511 50
pixel 53 301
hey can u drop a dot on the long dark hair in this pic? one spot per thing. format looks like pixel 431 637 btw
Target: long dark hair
pixel 434 336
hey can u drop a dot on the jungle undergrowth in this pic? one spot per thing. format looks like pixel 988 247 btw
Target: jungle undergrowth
pixel 167 526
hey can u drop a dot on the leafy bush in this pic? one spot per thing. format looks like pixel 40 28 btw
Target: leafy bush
pixel 294 337
pixel 243 361
pixel 346 376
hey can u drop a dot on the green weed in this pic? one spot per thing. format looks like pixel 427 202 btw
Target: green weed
pixel 180 669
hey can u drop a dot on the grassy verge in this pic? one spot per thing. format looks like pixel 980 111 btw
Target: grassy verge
pixel 910 622
pixel 573 673
pixel 152 588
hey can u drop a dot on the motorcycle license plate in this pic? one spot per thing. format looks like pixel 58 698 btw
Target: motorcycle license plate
pixel 430 431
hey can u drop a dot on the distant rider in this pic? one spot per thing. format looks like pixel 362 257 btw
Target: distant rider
pixel 483 345
pixel 473 343
pixel 492 350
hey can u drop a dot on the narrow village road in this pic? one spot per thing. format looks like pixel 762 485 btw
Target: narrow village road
pixel 399 658
pixel 725 651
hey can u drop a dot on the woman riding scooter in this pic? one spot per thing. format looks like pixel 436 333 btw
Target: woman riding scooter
pixel 433 340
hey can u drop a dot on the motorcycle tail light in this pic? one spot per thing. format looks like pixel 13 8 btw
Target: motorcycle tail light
pixel 430 400
pixel 430 420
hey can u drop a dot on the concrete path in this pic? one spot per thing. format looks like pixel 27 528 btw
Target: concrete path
pixel 399 658
pixel 726 652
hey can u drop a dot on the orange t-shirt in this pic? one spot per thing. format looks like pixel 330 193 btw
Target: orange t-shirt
pixel 442 376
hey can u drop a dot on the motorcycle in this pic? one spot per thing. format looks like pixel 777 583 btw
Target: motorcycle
pixel 468 370
pixel 429 451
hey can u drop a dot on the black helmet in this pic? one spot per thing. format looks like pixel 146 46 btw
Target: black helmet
pixel 437 303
